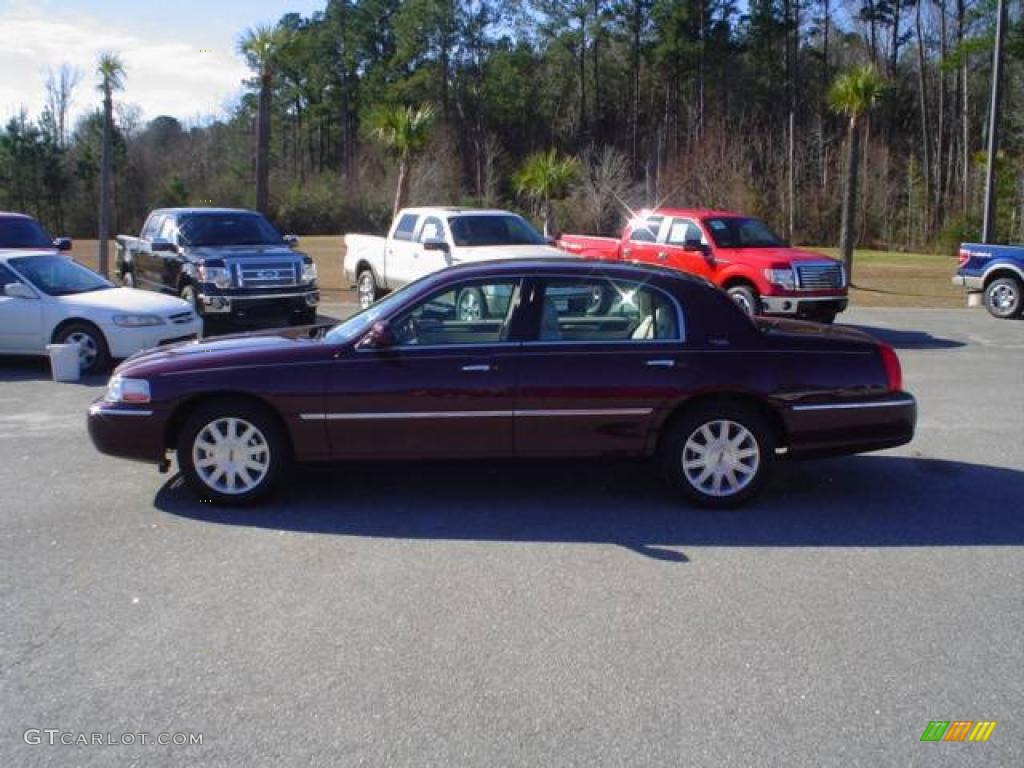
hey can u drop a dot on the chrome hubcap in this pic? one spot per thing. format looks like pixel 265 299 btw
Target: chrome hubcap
pixel 87 348
pixel 128 279
pixel 470 307
pixel 721 458
pixel 231 455
pixel 1002 296
pixel 367 290
pixel 742 300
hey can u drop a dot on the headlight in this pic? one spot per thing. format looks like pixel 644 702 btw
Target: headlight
pixel 219 276
pixel 137 321
pixel 121 390
pixel 784 278
pixel 309 273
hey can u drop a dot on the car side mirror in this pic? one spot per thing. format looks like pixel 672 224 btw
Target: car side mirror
pixel 380 336
pixel 163 246
pixel 436 244
pixel 62 243
pixel 291 240
pixel 18 291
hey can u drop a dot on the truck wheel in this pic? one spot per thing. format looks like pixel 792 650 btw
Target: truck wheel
pixel 718 455
pixel 128 279
pixel 1003 298
pixel 471 305
pixel 232 453
pixel 746 298
pixel 93 353
pixel 367 288
pixel 188 293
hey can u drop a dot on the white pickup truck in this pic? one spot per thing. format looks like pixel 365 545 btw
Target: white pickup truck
pixel 424 240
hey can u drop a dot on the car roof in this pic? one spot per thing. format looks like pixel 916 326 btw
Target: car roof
pixel 11 253
pixel 203 210
pixel 698 213
pixel 449 210
pixel 13 215
pixel 557 264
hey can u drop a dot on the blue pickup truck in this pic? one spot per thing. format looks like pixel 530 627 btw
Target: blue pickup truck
pixel 994 276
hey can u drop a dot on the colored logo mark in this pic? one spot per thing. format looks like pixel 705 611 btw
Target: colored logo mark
pixel 958 730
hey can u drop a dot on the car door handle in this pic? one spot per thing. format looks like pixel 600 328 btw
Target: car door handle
pixel 662 255
pixel 627 251
pixel 661 363
pixel 482 368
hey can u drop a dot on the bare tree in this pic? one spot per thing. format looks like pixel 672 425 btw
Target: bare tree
pixel 60 88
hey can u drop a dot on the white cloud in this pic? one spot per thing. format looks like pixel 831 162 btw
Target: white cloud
pixel 163 76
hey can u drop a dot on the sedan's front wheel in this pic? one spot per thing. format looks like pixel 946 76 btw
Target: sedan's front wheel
pixel 232 453
pixel 718 455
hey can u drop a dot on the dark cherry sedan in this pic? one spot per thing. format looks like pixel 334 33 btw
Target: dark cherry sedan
pixel 657 364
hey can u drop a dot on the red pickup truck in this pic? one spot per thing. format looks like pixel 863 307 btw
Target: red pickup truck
pixel 739 254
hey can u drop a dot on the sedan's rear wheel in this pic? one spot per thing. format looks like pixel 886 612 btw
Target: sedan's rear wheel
pixel 718 455
pixel 93 353
pixel 231 453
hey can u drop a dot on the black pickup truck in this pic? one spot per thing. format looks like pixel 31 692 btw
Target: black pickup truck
pixel 230 264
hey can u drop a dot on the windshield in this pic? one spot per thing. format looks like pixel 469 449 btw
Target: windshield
pixel 737 232
pixel 16 232
pixel 493 229
pixel 58 276
pixel 227 229
pixel 357 325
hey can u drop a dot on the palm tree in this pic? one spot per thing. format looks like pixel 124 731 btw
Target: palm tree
pixel 545 177
pixel 112 73
pixel 853 94
pixel 260 47
pixel 404 131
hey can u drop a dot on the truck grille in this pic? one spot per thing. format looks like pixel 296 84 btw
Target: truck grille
pixel 820 277
pixel 278 274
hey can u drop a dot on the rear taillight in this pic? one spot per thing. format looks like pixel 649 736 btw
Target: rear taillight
pixel 963 256
pixel 893 370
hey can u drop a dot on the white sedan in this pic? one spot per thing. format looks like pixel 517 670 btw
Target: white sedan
pixel 49 299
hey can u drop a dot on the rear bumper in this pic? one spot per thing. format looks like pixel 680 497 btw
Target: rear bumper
pixel 969 282
pixel 802 305
pixel 851 426
pixel 127 431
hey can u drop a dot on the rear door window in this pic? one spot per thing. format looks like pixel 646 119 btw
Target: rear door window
pixel 599 309
pixel 406 227
pixel 646 230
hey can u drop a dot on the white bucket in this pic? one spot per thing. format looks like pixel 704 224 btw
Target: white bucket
pixel 64 362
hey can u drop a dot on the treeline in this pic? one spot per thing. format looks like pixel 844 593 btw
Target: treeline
pixel 690 102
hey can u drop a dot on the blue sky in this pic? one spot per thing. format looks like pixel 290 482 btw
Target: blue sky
pixel 180 54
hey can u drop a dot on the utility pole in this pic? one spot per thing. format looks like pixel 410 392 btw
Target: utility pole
pixel 988 229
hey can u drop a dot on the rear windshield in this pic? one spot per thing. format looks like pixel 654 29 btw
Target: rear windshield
pixel 741 232
pixel 16 232
pixel 227 229
pixel 497 229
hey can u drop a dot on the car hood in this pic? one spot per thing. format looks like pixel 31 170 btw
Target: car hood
pixel 462 254
pixel 276 252
pixel 129 300
pixel 261 346
pixel 769 256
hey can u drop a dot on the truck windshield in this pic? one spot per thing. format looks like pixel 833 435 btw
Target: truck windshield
pixel 16 232
pixel 739 232
pixel 227 229
pixel 58 276
pixel 497 229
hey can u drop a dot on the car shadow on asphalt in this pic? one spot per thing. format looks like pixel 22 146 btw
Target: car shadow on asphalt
pixel 904 339
pixel 863 501
pixel 14 368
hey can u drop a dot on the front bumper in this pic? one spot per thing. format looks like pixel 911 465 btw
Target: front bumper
pixel 133 432
pixel 802 305
pixel 239 305
pixel 125 342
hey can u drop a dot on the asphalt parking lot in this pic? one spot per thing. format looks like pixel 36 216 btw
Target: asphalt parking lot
pixel 538 614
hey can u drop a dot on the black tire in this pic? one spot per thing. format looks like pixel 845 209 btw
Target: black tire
pixel 1003 298
pixel 367 289
pixel 128 278
pixel 269 439
pixel 470 305
pixel 188 293
pixel 747 299
pixel 95 354
pixel 684 467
